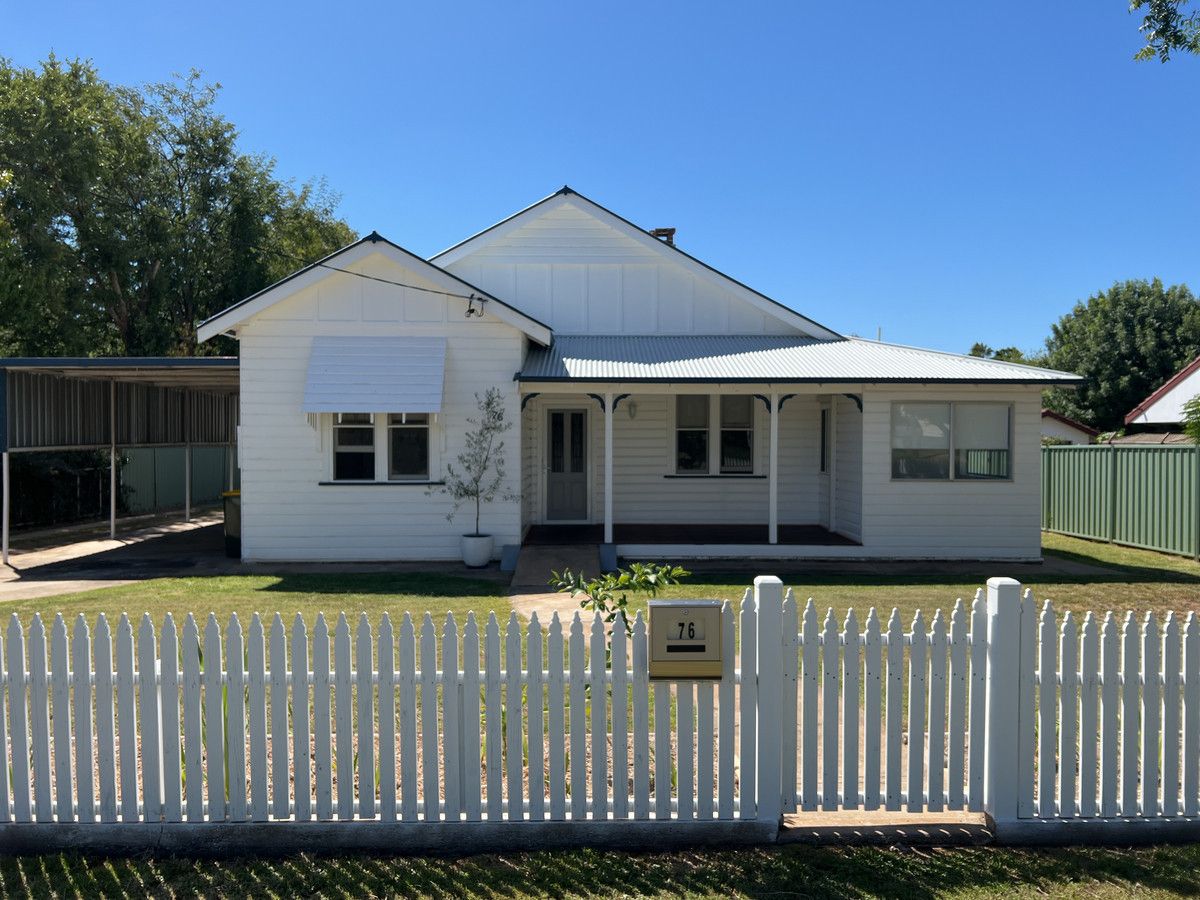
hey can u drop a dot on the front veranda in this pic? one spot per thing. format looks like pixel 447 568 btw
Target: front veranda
pixel 701 469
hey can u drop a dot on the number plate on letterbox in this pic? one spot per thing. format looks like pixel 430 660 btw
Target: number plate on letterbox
pixel 685 639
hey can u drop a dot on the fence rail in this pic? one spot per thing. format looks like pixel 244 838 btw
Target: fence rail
pixel 1141 496
pixel 1026 715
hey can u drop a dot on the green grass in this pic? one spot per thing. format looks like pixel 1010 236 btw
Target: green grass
pixel 1093 873
pixel 1140 580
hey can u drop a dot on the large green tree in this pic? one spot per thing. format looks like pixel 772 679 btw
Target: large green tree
pixel 126 216
pixel 1168 26
pixel 1125 342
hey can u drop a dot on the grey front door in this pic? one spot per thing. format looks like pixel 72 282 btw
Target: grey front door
pixel 566 468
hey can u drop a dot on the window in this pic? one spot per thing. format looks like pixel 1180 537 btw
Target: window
pixel 927 436
pixel 691 434
pixel 824 440
pixel 737 434
pixel 354 447
pixel 981 440
pixel 714 435
pixel 408 447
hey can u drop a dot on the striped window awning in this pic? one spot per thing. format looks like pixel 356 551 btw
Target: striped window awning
pixel 375 374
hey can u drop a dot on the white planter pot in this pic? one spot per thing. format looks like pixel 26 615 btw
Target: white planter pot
pixel 476 550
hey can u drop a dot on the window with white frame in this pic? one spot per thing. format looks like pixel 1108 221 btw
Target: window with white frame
pixel 951 440
pixel 737 434
pixel 408 447
pixel 824 439
pixel 714 434
pixel 691 434
pixel 391 447
pixel 354 447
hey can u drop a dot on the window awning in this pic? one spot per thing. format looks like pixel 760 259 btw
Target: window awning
pixel 375 374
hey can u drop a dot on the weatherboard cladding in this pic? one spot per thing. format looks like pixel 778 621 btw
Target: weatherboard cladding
pixel 763 358
pixel 375 374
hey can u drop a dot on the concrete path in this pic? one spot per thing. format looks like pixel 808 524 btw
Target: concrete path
pixel 530 591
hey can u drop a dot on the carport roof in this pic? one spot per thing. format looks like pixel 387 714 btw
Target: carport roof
pixel 201 373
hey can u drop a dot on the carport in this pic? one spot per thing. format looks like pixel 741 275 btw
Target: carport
pixel 61 404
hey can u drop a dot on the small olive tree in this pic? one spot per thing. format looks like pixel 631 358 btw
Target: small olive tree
pixel 479 475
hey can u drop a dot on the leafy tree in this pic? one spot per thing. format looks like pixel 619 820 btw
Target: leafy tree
pixel 1125 342
pixel 1168 27
pixel 126 215
pixel 1191 418
pixel 1004 354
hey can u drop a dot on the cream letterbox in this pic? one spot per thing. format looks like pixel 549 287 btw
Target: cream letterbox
pixel 685 639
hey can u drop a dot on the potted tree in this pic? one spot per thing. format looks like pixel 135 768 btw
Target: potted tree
pixel 479 476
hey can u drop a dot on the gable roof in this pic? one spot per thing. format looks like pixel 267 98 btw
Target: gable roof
pixel 1069 422
pixel 1142 410
pixel 696 266
pixel 363 247
pixel 776 359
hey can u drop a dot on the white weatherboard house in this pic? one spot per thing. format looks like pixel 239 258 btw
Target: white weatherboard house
pixel 659 405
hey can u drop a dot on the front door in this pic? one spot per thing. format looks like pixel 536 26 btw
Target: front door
pixel 566 468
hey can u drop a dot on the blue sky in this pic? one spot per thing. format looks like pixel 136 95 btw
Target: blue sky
pixel 948 172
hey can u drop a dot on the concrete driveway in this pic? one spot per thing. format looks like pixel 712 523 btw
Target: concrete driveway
pixel 164 548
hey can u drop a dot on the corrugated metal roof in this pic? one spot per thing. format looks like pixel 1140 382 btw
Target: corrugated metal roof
pixel 764 358
pixel 375 375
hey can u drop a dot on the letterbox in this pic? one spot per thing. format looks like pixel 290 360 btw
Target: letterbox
pixel 685 639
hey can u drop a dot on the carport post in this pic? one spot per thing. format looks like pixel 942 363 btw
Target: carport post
pixel 187 457
pixel 4 524
pixel 112 460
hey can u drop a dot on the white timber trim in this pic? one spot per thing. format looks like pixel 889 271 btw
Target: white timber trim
pixel 236 315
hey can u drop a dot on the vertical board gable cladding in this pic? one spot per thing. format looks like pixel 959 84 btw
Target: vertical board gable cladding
pixel 375 375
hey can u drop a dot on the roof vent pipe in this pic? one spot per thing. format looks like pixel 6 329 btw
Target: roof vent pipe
pixel 666 235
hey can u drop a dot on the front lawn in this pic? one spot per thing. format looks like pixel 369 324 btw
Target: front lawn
pixel 1118 578
pixel 843 872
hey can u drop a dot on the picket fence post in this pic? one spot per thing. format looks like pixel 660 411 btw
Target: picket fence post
pixel 1003 707
pixel 768 603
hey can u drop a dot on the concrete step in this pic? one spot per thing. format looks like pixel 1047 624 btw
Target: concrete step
pixel 880 827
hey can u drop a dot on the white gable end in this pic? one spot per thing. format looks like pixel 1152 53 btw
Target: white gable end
pixel 583 270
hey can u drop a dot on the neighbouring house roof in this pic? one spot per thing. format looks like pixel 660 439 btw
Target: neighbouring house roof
pixel 765 358
pixel 375 374
pixel 566 195
pixel 1170 409
pixel 1069 422
pixel 1148 437
pixel 373 242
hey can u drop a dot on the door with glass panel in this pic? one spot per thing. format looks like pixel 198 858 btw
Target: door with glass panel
pixel 566 465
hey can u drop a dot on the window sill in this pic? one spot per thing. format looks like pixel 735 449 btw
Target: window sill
pixel 1008 480
pixel 379 483
pixel 726 475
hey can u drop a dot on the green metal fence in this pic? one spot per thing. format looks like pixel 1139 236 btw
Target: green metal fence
pixel 152 478
pixel 1135 495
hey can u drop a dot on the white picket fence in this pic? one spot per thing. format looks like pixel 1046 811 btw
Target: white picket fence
pixel 1083 724
pixel 226 727
pixel 995 708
